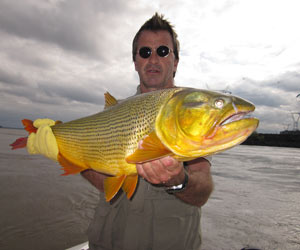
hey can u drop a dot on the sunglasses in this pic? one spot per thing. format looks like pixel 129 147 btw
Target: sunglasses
pixel 162 51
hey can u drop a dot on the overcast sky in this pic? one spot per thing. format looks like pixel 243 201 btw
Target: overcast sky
pixel 58 57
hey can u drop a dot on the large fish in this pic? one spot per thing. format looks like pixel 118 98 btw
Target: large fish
pixel 184 123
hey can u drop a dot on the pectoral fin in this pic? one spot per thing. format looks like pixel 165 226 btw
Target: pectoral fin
pixel 150 148
pixel 183 158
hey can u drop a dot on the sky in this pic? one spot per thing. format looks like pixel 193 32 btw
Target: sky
pixel 58 57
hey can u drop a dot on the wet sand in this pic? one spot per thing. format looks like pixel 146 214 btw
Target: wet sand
pixel 256 200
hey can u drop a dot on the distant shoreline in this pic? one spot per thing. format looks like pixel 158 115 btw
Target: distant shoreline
pixel 10 127
pixel 274 140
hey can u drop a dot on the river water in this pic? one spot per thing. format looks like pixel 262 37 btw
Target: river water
pixel 256 200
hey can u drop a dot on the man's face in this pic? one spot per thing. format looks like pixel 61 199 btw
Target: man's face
pixel 155 72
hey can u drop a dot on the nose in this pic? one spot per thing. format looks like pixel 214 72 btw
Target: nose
pixel 154 58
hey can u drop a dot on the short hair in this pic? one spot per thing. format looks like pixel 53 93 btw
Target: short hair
pixel 156 23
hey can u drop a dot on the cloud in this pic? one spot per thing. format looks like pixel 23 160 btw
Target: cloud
pixel 289 81
pixel 79 26
pixel 259 93
pixel 59 57
pixel 50 24
pixel 10 78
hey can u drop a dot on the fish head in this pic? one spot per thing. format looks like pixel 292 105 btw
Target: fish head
pixel 195 123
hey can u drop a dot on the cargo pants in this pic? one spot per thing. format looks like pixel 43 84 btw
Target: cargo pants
pixel 152 220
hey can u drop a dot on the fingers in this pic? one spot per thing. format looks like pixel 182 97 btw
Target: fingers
pixel 152 172
pixel 160 171
pixel 171 165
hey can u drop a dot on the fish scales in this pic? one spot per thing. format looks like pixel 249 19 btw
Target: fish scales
pixel 182 122
pixel 102 141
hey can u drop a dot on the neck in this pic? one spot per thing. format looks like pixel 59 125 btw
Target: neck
pixel 145 89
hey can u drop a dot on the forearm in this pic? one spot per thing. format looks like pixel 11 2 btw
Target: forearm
pixel 95 178
pixel 199 187
pixel 170 172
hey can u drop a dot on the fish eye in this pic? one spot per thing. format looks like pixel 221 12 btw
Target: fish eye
pixel 219 103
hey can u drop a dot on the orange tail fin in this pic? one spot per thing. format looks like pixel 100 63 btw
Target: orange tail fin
pixel 28 126
pixel 22 142
pixel 19 143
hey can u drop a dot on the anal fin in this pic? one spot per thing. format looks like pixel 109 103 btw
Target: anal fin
pixel 150 148
pixel 68 166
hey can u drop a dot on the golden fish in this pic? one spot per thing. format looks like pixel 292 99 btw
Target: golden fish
pixel 184 123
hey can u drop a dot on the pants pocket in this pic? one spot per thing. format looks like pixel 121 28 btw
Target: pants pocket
pixel 176 226
pixel 100 228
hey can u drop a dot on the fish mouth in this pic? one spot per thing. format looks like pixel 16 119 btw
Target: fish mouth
pixel 236 117
pixel 235 125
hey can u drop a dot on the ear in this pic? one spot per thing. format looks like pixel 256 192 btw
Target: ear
pixel 175 66
pixel 135 66
pixel 176 61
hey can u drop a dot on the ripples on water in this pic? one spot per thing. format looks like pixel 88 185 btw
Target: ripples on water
pixel 39 208
pixel 256 200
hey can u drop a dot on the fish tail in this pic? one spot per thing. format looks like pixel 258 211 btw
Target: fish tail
pixel 28 126
pixel 22 142
pixel 41 139
pixel 19 143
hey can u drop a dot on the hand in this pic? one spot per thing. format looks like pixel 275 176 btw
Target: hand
pixel 167 171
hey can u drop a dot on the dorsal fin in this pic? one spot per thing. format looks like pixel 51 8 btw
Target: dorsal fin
pixel 109 100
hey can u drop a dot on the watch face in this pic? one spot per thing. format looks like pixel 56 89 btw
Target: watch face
pixel 180 187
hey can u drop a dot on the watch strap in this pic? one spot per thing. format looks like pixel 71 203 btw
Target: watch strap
pixel 180 187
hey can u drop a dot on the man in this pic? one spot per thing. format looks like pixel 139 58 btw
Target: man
pixel 165 210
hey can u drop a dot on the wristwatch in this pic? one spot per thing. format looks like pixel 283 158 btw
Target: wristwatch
pixel 180 187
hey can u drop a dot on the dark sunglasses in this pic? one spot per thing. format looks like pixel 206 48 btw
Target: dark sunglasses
pixel 162 51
